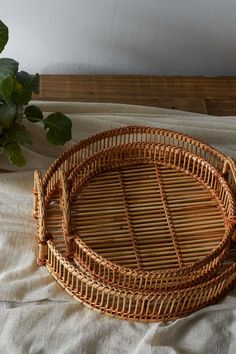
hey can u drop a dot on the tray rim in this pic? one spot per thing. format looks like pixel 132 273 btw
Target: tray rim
pixel 223 245
pixel 138 129
pixel 228 275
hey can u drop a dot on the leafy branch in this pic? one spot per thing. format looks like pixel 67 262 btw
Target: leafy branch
pixel 16 89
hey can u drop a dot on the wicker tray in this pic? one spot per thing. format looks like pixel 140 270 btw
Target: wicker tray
pixel 146 225
pixel 138 305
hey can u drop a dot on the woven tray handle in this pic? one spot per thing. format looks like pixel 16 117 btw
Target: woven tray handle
pixel 229 171
pixel 39 214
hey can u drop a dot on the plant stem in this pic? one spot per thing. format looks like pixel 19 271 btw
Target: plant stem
pixel 40 120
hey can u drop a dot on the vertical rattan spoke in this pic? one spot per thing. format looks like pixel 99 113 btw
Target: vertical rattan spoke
pixel 66 215
pixel 168 217
pixel 129 222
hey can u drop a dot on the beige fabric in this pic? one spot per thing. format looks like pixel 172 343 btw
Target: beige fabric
pixel 36 315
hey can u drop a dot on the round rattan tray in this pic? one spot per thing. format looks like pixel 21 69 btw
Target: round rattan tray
pixel 137 223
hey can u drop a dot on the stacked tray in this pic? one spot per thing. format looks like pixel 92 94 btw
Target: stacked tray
pixel 138 223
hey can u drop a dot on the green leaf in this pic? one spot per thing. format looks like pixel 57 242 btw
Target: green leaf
pixel 7 115
pixel 59 128
pixel 23 78
pixel 24 86
pixel 3 35
pixel 28 80
pixel 21 94
pixel 8 67
pixel 20 135
pixel 33 114
pixel 14 153
pixel 6 89
pixel 35 83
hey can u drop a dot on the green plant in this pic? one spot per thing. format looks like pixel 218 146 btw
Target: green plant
pixel 16 89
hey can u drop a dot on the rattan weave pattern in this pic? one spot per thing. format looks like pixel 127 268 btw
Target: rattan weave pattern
pixel 136 222
pixel 182 263
pixel 137 306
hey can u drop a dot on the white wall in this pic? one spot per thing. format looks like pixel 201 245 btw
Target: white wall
pixel 165 37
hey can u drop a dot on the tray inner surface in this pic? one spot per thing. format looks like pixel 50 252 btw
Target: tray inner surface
pixel 147 217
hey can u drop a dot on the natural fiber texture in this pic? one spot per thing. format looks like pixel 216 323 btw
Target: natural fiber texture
pixel 139 305
pixel 37 315
pixel 126 206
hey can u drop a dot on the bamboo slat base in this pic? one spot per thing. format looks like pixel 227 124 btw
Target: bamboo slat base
pixel 138 223
pixel 156 240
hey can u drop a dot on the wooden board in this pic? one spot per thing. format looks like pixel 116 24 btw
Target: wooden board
pixel 221 107
pixel 210 95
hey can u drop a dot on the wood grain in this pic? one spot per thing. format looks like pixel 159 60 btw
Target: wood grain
pixel 221 107
pixel 212 95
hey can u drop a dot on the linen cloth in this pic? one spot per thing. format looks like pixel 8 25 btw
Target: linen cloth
pixel 36 315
